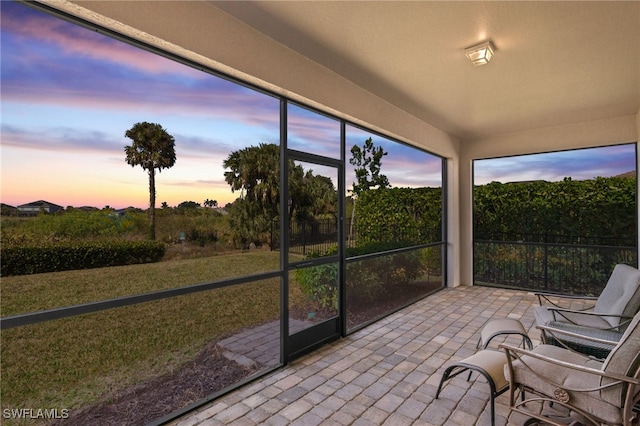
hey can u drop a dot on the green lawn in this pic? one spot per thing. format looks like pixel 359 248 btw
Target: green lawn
pixel 28 293
pixel 77 361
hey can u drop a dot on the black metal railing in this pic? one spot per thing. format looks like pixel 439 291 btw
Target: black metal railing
pixel 567 265
pixel 308 237
pixel 321 235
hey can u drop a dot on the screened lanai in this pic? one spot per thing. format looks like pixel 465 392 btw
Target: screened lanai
pixel 312 81
pixel 563 76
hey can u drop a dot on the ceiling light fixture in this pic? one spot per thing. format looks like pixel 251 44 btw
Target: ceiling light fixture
pixel 480 54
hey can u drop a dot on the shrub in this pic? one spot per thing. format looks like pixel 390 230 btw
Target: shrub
pixel 22 260
pixel 320 284
pixel 367 279
pixel 596 208
pixel 202 236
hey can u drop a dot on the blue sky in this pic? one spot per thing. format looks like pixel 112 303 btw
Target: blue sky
pixel 69 94
pixel 578 164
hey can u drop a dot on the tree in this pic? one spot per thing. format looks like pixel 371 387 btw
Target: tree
pixel 368 164
pixel 192 205
pixel 255 172
pixel 152 149
pixel 318 196
pixel 210 203
pixel 248 222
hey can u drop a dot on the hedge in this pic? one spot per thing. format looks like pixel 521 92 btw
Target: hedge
pixel 68 256
pixel 413 215
pixel 599 209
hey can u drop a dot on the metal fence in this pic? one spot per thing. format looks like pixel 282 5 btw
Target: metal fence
pixel 553 263
pixel 321 235
pixel 306 237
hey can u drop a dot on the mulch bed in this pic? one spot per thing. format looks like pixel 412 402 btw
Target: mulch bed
pixel 208 373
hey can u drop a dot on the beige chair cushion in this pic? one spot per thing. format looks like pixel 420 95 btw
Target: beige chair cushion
pixel 621 295
pixel 492 362
pixel 624 360
pixel 549 377
pixel 606 404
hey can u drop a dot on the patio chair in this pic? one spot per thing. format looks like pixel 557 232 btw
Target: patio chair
pixel 606 320
pixel 560 387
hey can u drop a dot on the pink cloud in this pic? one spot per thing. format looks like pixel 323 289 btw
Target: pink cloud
pixel 173 101
pixel 75 40
pixel 316 133
pixel 58 139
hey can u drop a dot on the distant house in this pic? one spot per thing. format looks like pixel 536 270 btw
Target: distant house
pixel 631 174
pixel 33 208
pixel 7 210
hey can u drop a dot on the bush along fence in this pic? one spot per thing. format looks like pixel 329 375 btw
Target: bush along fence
pixel 321 235
pixel 62 257
pixel 569 265
pixel 372 271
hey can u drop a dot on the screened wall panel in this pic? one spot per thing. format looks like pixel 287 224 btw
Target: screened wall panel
pixel 119 365
pixel 311 132
pixel 381 283
pixel 394 201
pixel 123 277
pixel 557 221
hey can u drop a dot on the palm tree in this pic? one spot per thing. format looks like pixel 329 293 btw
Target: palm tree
pixel 153 148
pixel 255 172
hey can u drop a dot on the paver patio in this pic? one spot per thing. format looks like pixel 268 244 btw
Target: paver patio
pixel 386 373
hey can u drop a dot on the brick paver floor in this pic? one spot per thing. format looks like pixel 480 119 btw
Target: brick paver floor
pixel 386 373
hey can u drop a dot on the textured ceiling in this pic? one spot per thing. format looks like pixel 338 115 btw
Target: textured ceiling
pixel 556 62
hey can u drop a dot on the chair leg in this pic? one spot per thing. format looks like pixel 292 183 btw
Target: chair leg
pixel 543 337
pixel 493 410
pixel 445 377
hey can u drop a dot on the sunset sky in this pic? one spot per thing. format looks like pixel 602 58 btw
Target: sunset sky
pixel 69 94
pixel 578 164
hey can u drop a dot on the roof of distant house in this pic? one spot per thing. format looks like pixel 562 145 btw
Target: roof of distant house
pixel 630 174
pixel 41 203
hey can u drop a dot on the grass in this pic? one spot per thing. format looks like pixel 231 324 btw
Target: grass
pixel 84 360
pixel 28 293
pixel 74 362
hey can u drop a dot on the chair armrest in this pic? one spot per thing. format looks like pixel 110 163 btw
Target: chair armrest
pixel 564 296
pixel 554 331
pixel 514 352
pixel 545 297
pixel 561 311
